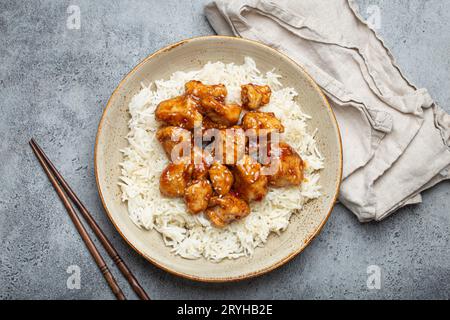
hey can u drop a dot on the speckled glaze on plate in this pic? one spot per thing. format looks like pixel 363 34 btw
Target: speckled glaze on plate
pixel 193 54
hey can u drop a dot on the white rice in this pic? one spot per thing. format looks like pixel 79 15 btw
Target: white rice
pixel 193 236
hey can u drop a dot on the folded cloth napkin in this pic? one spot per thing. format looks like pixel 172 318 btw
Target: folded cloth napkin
pixel 396 139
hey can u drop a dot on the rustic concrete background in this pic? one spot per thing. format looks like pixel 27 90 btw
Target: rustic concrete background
pixel 53 85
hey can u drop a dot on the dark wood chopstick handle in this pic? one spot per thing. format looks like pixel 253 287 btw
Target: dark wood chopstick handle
pixel 112 252
pixel 82 231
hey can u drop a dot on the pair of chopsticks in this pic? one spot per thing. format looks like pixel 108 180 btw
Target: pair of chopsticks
pixel 62 188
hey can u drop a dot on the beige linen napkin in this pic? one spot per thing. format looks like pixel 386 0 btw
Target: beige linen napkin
pixel 396 140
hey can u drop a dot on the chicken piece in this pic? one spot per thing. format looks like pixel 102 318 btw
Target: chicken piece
pixel 288 167
pixel 224 114
pixel 249 183
pixel 209 124
pixel 174 179
pixel 197 195
pixel 262 120
pixel 221 178
pixel 171 137
pixel 254 96
pixel 229 145
pixel 199 163
pixel 261 128
pixel 200 90
pixel 224 210
pixel 180 111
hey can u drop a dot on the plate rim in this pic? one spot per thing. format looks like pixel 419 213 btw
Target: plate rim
pixel 247 275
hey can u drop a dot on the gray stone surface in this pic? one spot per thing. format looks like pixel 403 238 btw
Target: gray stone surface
pixel 53 85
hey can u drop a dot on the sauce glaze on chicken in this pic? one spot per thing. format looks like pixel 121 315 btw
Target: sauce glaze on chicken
pixel 224 182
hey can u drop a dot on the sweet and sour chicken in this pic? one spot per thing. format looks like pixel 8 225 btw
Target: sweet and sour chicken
pixel 218 112
pixel 221 182
pixel 174 179
pixel 249 182
pixel 180 111
pixel 197 195
pixel 221 178
pixel 229 145
pixel 211 103
pixel 172 137
pixel 289 167
pixel 262 120
pixel 199 90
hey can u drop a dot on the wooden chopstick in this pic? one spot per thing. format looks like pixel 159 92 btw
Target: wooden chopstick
pixel 112 252
pixel 79 226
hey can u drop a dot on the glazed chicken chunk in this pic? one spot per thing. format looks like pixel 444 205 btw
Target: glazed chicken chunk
pixel 249 183
pixel 221 178
pixel 224 210
pixel 200 90
pixel 180 111
pixel 289 167
pixel 220 113
pixel 199 163
pixel 262 120
pixel 174 179
pixel 254 96
pixel 209 124
pixel 170 137
pixel 197 195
